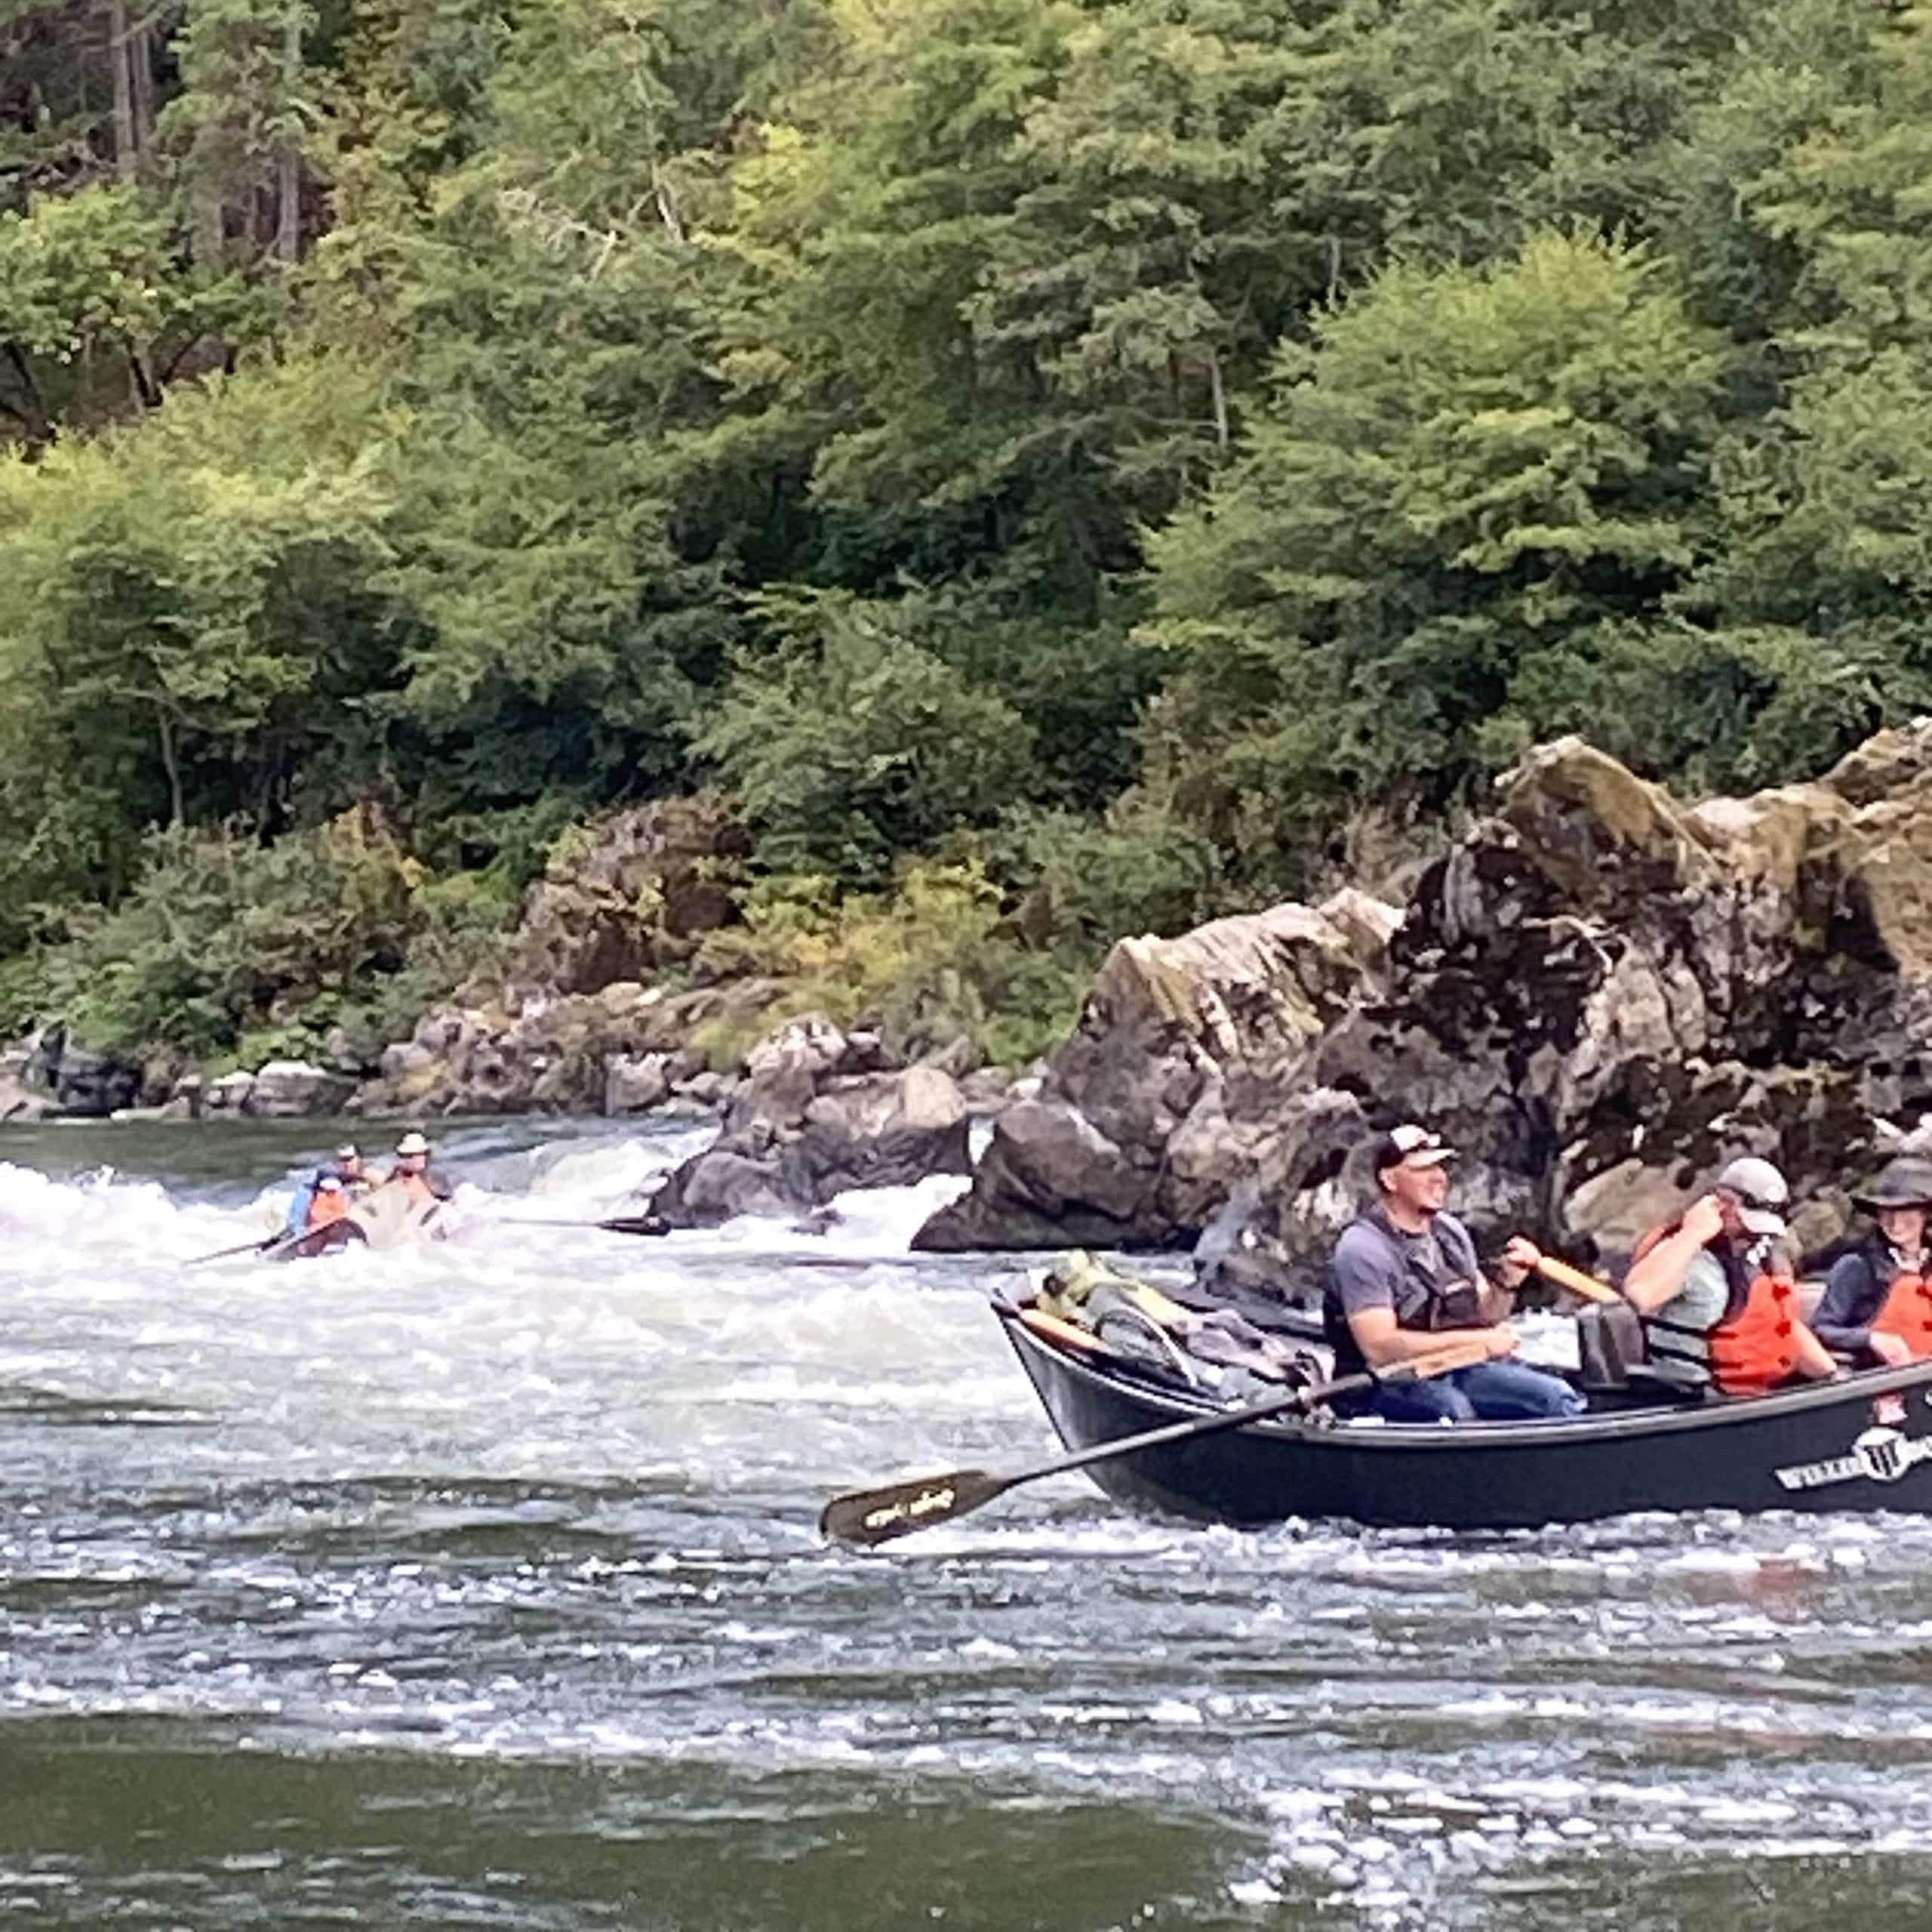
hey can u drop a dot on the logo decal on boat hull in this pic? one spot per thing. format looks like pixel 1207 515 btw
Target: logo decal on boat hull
pixel 1880 1455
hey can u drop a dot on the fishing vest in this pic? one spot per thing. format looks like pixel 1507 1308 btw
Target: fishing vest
pixel 1439 1276
pixel 1753 1345
pixel 1906 1310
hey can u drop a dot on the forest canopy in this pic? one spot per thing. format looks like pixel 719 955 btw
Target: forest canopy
pixel 1134 457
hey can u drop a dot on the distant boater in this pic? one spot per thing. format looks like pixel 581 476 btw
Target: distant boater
pixel 413 1174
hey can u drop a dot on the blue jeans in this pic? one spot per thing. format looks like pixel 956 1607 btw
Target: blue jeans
pixel 1497 1391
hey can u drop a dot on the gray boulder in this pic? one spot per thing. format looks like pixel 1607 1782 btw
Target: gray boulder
pixel 228 1096
pixel 19 1101
pixel 294 1089
pixel 800 1131
pixel 634 1083
pixel 1049 1177
pixel 79 1080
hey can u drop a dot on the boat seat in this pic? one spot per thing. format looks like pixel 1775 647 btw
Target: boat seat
pixel 1645 1389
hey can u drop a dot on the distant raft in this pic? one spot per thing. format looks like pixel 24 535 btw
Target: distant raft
pixel 389 1217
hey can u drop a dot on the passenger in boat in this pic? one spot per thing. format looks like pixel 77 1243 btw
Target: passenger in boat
pixel 413 1174
pixel 328 1201
pixel 1717 1290
pixel 350 1171
pixel 1876 1306
pixel 1404 1278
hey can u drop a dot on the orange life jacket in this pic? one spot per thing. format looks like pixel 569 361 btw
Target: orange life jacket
pixel 1906 1312
pixel 327 1204
pixel 1754 1346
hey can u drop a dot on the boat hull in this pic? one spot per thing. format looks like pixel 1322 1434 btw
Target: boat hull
pixel 1865 1443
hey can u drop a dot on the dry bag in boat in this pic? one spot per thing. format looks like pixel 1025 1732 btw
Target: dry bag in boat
pixel 1611 1341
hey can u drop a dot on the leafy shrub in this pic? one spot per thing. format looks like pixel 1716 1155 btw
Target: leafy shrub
pixel 853 743
pixel 227 947
pixel 925 962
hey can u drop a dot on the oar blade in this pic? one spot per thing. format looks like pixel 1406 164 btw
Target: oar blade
pixel 634 1224
pixel 869 1517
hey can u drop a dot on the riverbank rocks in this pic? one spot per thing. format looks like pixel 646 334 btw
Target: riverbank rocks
pixel 535 1053
pixel 818 1112
pixel 19 1103
pixel 1597 994
pixel 294 1089
pixel 75 1079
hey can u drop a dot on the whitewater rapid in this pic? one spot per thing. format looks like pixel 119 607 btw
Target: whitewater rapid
pixel 519 1525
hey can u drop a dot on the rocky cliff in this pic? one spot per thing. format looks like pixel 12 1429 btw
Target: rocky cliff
pixel 1599 993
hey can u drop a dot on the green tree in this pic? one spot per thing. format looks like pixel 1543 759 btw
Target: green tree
pixel 1467 474
pixel 850 743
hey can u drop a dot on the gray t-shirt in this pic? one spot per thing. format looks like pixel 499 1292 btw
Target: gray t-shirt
pixel 1377 1264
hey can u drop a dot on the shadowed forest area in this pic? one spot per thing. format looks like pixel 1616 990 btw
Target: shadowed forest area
pixel 1061 467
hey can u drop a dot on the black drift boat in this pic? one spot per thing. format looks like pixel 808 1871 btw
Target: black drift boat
pixel 1864 1443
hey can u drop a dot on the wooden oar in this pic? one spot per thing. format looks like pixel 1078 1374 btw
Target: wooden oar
pixel 619 1224
pixel 1575 1280
pixel 268 1245
pixel 869 1517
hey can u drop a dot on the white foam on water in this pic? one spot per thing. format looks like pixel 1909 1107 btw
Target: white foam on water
pixel 536 1494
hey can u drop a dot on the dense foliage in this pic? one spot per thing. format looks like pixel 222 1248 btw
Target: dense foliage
pixel 1065 465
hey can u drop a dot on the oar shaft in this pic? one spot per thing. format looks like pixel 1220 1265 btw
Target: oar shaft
pixel 1575 1280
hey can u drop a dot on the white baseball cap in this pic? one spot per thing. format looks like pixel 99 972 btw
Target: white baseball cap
pixel 1760 1192
pixel 1410 1146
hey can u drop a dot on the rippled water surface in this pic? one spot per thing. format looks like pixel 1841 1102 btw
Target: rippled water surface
pixel 477 1586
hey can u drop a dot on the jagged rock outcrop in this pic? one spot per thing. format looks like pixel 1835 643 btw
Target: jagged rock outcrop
pixel 820 1111
pixel 627 896
pixel 1599 994
pixel 574 1027
pixel 1168 1090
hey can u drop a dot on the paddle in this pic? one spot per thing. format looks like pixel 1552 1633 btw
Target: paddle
pixel 869 1517
pixel 619 1224
pixel 240 1247
pixel 269 1244
pixel 1575 1280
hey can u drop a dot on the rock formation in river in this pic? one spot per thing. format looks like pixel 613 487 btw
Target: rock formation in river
pixel 1597 994
pixel 820 1111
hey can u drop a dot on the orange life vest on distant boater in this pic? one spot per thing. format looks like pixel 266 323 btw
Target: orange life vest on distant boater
pixel 1906 1312
pixel 1752 1348
pixel 327 1204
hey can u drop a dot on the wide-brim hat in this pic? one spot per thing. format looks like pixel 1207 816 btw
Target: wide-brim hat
pixel 1905 1181
pixel 412 1143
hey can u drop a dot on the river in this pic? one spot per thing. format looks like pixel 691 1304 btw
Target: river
pixel 477 1586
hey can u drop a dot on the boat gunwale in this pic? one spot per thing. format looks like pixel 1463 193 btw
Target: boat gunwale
pixel 1385 1437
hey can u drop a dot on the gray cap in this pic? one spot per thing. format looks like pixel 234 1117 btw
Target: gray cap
pixel 1761 1192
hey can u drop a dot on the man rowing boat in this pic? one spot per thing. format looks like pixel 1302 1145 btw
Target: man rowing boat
pixel 1404 1280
